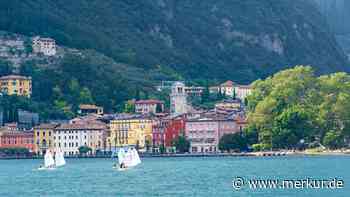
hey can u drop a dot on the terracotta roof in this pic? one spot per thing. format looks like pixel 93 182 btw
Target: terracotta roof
pixel 14 77
pixel 149 101
pixel 46 126
pixel 17 134
pixel 228 83
pixel 80 127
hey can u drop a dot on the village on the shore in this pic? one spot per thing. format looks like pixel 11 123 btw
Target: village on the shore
pixel 151 128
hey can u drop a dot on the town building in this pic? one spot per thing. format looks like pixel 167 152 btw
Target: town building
pixel 194 91
pixel 16 139
pixel 174 129
pixel 69 137
pixel 46 46
pixel 227 126
pixel 203 134
pixel 149 106
pixel 130 130
pixel 243 91
pixel 85 109
pixel 158 134
pixel 178 99
pixel 228 105
pixel 232 89
pixel 16 85
pixel 27 120
pixel 43 138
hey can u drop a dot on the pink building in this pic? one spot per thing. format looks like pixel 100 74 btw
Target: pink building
pixel 227 126
pixel 203 134
pixel 158 134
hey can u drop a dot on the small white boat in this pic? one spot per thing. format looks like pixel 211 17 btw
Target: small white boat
pixel 127 159
pixel 49 162
pixel 59 159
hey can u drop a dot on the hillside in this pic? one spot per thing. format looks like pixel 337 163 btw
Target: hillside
pixel 71 77
pixel 337 15
pixel 228 39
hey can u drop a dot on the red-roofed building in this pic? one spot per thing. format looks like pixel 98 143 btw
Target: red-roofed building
pixel 149 106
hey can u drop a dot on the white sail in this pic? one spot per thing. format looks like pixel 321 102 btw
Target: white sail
pixel 121 156
pixel 136 157
pixel 127 160
pixel 131 158
pixel 60 161
pixel 49 161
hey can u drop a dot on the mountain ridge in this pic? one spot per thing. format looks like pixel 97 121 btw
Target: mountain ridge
pixel 239 40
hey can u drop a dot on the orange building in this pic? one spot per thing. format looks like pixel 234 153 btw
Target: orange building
pixel 12 139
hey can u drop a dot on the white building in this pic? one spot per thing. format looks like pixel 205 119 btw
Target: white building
pixel 46 46
pixel 69 137
pixel 243 91
pixel 230 88
pixel 178 99
pixel 149 106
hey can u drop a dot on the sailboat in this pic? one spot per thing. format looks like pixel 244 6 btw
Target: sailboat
pixel 49 162
pixel 59 159
pixel 129 159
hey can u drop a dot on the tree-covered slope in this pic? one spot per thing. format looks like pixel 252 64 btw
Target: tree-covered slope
pixel 227 39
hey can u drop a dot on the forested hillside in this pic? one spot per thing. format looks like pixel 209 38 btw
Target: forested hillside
pixel 228 39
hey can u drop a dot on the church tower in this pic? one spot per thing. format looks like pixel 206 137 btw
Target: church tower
pixel 178 100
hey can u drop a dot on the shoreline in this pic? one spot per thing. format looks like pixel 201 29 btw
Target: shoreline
pixel 250 154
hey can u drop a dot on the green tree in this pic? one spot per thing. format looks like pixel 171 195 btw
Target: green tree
pixel 333 140
pixel 83 150
pixel 5 67
pixel 162 149
pixel 235 141
pixel 85 96
pixel 129 107
pixel 182 144
pixel 283 108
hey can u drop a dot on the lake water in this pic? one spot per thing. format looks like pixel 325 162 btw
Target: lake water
pixel 172 177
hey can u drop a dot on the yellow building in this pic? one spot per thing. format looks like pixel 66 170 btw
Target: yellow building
pixel 16 85
pixel 43 137
pixel 131 130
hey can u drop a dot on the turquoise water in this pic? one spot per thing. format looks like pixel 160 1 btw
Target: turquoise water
pixel 171 177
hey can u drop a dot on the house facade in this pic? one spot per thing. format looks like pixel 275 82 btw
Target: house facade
pixel 69 137
pixel 130 130
pixel 175 128
pixel 43 138
pixel 203 134
pixel 149 106
pixel 16 85
pixel 46 46
pixel 17 139
pixel 85 109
